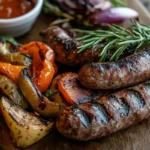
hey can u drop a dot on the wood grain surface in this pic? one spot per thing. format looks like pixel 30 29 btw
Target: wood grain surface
pixel 136 137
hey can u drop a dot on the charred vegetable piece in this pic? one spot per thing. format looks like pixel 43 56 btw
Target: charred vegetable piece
pixel 74 93
pixel 53 93
pixel 11 71
pixel 9 54
pixel 43 67
pixel 39 103
pixel 16 59
pixel 7 46
pixel 8 88
pixel 26 128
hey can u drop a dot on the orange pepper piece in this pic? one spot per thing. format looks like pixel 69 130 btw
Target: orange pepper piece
pixel 44 79
pixel 43 67
pixel 40 47
pixel 11 71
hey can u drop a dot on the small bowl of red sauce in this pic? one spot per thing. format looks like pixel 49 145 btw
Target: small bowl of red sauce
pixel 18 16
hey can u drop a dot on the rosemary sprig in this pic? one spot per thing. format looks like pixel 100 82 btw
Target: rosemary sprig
pixel 116 38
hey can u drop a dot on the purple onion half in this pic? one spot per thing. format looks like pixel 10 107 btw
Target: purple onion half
pixel 113 15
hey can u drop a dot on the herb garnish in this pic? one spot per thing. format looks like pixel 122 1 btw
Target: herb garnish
pixel 50 92
pixel 117 38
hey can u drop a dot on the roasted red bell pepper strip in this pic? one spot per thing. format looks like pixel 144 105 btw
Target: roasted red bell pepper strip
pixel 43 67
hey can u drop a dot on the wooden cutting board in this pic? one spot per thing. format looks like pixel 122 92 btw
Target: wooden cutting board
pixel 136 137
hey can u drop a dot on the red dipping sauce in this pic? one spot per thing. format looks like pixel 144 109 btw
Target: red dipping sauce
pixel 15 8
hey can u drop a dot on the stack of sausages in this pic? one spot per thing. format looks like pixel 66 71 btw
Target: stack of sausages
pixel 113 112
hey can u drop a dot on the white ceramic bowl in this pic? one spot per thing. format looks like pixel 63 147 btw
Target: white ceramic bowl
pixel 20 25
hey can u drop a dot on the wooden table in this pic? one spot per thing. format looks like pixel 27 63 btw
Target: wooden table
pixel 136 137
pixel 146 3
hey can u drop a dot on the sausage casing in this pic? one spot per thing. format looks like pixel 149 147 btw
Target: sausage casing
pixel 107 115
pixel 118 74
pixel 65 48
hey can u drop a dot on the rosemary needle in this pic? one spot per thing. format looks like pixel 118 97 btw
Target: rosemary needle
pixel 116 38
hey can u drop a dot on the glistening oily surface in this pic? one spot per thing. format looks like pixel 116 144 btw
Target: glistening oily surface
pixel 136 137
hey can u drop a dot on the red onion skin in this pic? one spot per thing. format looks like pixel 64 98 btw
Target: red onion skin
pixel 112 15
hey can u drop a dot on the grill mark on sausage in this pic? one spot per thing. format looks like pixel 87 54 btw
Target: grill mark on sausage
pixel 128 64
pixel 117 108
pixel 82 116
pixel 100 112
pixel 131 63
pixel 136 98
pixel 125 63
pixel 69 44
pixel 147 86
pixel 102 68
pixel 126 107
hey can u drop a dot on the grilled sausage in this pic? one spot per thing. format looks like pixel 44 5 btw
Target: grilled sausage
pixel 65 48
pixel 107 115
pixel 118 74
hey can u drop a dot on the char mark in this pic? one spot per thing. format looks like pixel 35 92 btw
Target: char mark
pixel 82 116
pixel 125 107
pixel 25 74
pixel 120 105
pixel 136 98
pixel 101 67
pixel 101 113
pixel 69 44
pixel 147 87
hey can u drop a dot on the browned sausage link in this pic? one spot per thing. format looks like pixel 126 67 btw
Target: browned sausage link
pixel 122 73
pixel 109 114
pixel 65 48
